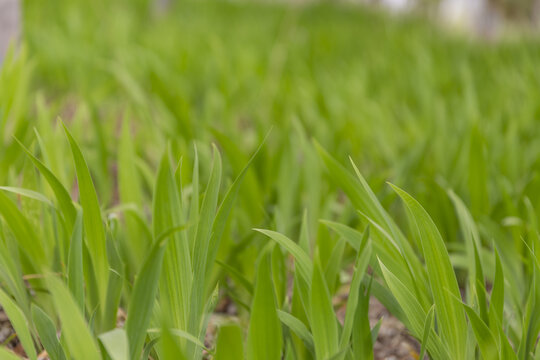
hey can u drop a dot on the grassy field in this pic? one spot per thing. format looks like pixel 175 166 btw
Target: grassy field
pixel 157 164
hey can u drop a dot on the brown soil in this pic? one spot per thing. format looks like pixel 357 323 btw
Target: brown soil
pixel 394 342
pixel 7 335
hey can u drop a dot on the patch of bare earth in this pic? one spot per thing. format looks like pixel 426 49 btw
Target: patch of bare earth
pixel 7 335
pixel 393 341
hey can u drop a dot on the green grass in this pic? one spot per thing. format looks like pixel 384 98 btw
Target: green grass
pixel 157 164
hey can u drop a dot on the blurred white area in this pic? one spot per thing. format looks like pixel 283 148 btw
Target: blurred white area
pixel 10 18
pixel 475 16
pixel 472 15
pixel 397 5
pixel 461 12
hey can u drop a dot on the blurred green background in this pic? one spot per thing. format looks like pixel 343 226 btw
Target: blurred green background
pixel 404 98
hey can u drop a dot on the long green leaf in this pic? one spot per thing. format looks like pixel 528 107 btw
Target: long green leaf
pixel 229 344
pixel 428 326
pixel 363 337
pixel 93 224
pixel 415 314
pixel 484 337
pixel 264 340
pixel 20 324
pixel 60 192
pixel 202 244
pixel 47 334
pixel 27 193
pixel 297 327
pixel 23 230
pixel 8 355
pixel 441 276
pixel 360 268
pixel 305 266
pixel 322 317
pixel 75 331
pixel 496 304
pixel 143 295
pixel 176 278
pixel 129 188
pixel 75 278
pixel 116 344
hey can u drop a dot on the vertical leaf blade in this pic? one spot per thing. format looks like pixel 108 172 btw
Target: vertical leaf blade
pixel 440 274
pixel 79 339
pixel 20 324
pixel 264 340
pixel 93 224
pixel 229 343
pixel 322 318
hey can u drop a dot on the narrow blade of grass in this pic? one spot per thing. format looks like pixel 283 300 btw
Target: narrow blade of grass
pixel 305 266
pixel 47 334
pixel 177 267
pixel 441 276
pixel 428 326
pixel 23 230
pixel 264 340
pixel 75 331
pixel 116 344
pixel 361 264
pixel 75 276
pixel 60 192
pixel 229 344
pixel 415 314
pixel 20 324
pixel 486 342
pixel 144 294
pixel 322 318
pixel 297 327
pixel 93 224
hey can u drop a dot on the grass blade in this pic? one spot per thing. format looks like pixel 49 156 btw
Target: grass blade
pixel 440 274
pixel 305 266
pixel 129 189
pixel 484 337
pixel 47 334
pixel 144 294
pixel 116 344
pixel 8 355
pixel 415 314
pixel 93 224
pixel 297 327
pixel 264 340
pixel 496 303
pixel 20 324
pixel 428 326
pixel 75 331
pixel 229 343
pixel 360 268
pixel 75 276
pixel 177 275
pixel 27 193
pixel 60 192
pixel 23 230
pixel 363 337
pixel 322 318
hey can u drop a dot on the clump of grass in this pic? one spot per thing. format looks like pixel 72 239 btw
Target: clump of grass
pixel 127 208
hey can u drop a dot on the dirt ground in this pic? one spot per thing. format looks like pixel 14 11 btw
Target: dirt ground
pixel 394 341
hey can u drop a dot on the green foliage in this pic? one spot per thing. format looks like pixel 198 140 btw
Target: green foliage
pixel 127 228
